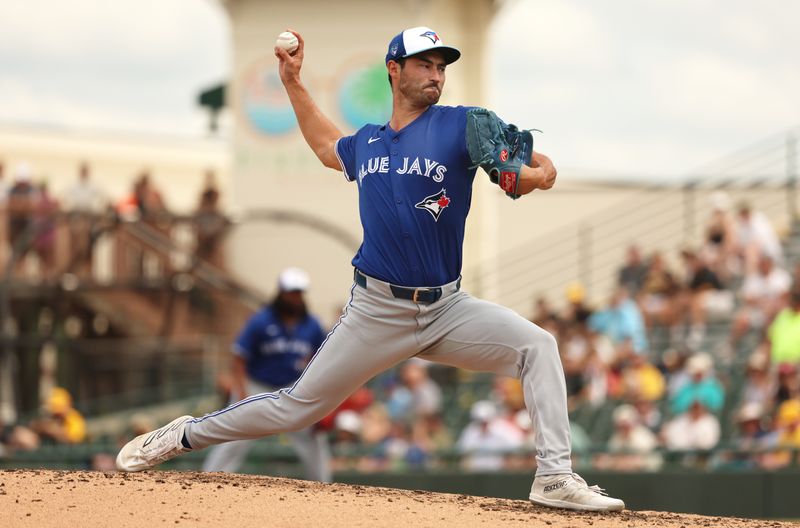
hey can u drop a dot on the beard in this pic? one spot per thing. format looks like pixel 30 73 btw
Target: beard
pixel 420 96
pixel 288 310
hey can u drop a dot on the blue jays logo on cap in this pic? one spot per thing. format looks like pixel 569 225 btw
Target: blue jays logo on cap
pixel 435 204
pixel 431 35
pixel 417 40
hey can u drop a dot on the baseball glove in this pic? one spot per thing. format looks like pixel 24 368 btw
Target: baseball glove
pixel 498 148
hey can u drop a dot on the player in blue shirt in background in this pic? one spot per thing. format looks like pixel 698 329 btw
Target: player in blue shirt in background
pixel 414 176
pixel 271 352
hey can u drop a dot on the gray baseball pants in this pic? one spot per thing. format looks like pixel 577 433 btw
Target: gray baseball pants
pixel 378 331
pixel 311 447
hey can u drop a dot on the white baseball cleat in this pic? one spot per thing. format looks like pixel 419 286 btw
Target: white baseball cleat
pixel 153 448
pixel 570 491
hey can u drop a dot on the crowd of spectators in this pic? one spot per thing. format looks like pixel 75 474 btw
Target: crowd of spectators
pixel 34 222
pixel 694 355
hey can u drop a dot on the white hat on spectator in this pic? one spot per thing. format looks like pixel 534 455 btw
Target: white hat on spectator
pixel 348 421
pixel 483 411
pixel 749 411
pixel 699 364
pixel 293 279
pixel 720 201
pixel 22 172
pixel 523 420
pixel 625 415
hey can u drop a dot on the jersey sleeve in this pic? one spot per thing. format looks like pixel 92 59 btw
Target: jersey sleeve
pixel 246 345
pixel 345 149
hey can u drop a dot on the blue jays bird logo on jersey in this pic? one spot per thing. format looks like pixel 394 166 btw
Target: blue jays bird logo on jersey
pixel 435 204
pixel 431 35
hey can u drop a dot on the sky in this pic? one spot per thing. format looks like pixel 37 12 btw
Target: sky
pixel 621 88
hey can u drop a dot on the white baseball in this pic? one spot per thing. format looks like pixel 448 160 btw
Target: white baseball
pixel 287 41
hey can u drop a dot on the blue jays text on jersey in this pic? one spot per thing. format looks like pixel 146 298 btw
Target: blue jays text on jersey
pixel 274 354
pixel 415 189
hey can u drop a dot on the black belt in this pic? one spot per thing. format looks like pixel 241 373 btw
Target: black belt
pixel 417 295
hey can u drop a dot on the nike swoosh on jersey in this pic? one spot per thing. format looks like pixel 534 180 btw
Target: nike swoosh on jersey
pixel 373 140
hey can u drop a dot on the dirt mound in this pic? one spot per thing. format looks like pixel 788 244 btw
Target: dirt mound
pixel 43 498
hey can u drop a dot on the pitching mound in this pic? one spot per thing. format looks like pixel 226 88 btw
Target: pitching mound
pixel 41 498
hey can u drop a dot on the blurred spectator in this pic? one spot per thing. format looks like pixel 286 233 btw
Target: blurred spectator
pixel 44 242
pixel 695 428
pixel 788 386
pixel 642 381
pixel 705 297
pixel 632 443
pixel 755 237
pixel 751 434
pixel 15 437
pixel 210 224
pixel 632 274
pixel 784 332
pixel 346 440
pixel 148 199
pixel 674 366
pixel 62 423
pixel 702 387
pixel 577 310
pixel 758 387
pixel 719 247
pixel 544 315
pixel 658 293
pixel 762 292
pixel 83 200
pixel 751 437
pixel 21 207
pixel 621 321
pixel 486 440
pixel 787 434
pixel 416 395
pixel 649 414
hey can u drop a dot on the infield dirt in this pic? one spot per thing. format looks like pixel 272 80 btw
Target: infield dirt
pixel 44 498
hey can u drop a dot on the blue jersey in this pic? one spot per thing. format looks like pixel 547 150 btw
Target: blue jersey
pixel 415 188
pixel 276 355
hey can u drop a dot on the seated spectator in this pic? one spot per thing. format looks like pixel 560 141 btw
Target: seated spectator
pixel 642 381
pixel 544 315
pixel 702 387
pixel 577 310
pixel 784 332
pixel 416 395
pixel 62 423
pixel 788 385
pixel 15 437
pixel 632 275
pixel 694 429
pixel 755 237
pixel 787 429
pixel 750 438
pixel 621 321
pixel 486 440
pixel 719 247
pixel 346 439
pixel 751 435
pixel 705 297
pixel 763 293
pixel 659 293
pixel 649 414
pixel 759 387
pixel 632 443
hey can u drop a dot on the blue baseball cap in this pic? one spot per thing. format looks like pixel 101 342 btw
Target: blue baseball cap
pixel 416 40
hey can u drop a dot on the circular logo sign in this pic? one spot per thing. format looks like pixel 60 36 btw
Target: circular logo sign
pixel 265 103
pixel 365 96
